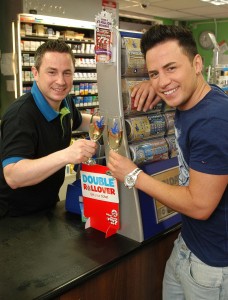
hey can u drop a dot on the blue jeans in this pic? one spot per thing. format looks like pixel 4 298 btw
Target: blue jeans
pixel 188 278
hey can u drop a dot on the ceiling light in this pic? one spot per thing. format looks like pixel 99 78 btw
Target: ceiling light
pixel 216 2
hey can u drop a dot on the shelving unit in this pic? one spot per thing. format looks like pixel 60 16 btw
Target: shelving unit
pixel 32 30
pixel 219 75
pixel 141 216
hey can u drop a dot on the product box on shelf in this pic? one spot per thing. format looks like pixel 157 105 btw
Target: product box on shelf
pixel 132 61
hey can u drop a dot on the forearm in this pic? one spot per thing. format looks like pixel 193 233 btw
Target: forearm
pixel 197 200
pixel 177 198
pixel 32 171
pixel 29 172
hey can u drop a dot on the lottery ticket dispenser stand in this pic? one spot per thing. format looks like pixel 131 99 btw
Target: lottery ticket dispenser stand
pixel 138 219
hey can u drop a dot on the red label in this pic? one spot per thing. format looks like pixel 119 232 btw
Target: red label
pixel 100 197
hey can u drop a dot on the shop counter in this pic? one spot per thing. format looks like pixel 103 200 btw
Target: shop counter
pixel 50 254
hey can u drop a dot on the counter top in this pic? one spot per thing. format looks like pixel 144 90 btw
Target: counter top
pixel 44 255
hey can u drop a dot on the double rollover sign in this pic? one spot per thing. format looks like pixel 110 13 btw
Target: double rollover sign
pixel 101 199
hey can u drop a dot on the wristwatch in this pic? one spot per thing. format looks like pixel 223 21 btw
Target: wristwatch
pixel 130 179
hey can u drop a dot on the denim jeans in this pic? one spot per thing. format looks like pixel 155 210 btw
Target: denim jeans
pixel 188 278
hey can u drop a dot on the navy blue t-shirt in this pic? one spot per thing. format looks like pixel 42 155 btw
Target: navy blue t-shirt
pixel 202 138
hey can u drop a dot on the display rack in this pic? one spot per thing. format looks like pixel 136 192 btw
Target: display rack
pixel 33 30
pixel 219 75
pixel 148 139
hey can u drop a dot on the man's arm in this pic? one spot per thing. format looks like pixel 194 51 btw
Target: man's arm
pixel 27 172
pixel 198 200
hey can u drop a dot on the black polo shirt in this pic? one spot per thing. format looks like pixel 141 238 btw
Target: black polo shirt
pixel 31 129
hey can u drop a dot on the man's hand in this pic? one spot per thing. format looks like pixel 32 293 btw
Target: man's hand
pixel 80 151
pixel 119 165
pixel 27 172
pixel 144 96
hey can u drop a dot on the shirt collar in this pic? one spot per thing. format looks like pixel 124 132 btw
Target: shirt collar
pixel 48 112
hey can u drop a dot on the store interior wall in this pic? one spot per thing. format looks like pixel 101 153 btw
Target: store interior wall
pixel 8 11
pixel 85 10
pixel 73 9
pixel 82 10
pixel 220 30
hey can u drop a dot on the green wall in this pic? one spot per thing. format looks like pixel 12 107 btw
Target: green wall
pixel 166 21
pixel 218 27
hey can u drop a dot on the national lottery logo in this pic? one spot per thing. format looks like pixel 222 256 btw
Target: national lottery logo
pixel 112 217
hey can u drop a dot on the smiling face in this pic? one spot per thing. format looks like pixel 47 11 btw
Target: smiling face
pixel 173 76
pixel 55 77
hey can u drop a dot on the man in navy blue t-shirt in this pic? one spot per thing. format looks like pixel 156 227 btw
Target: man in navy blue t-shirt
pixel 36 134
pixel 198 265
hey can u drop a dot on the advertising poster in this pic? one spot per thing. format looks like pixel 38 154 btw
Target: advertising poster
pixel 111 7
pixel 101 199
pixel 103 37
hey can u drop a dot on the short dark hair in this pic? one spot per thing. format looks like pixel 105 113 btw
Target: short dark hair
pixel 51 46
pixel 162 33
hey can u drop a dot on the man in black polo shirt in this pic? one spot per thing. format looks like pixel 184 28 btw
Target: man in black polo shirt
pixel 36 134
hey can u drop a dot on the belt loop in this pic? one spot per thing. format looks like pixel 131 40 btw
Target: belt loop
pixel 184 248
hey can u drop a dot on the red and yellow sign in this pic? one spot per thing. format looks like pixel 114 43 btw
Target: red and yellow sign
pixel 101 199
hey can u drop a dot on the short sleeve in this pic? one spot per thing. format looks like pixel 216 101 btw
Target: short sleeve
pixel 209 146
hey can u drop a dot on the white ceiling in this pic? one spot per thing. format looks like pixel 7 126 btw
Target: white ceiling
pixel 173 9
